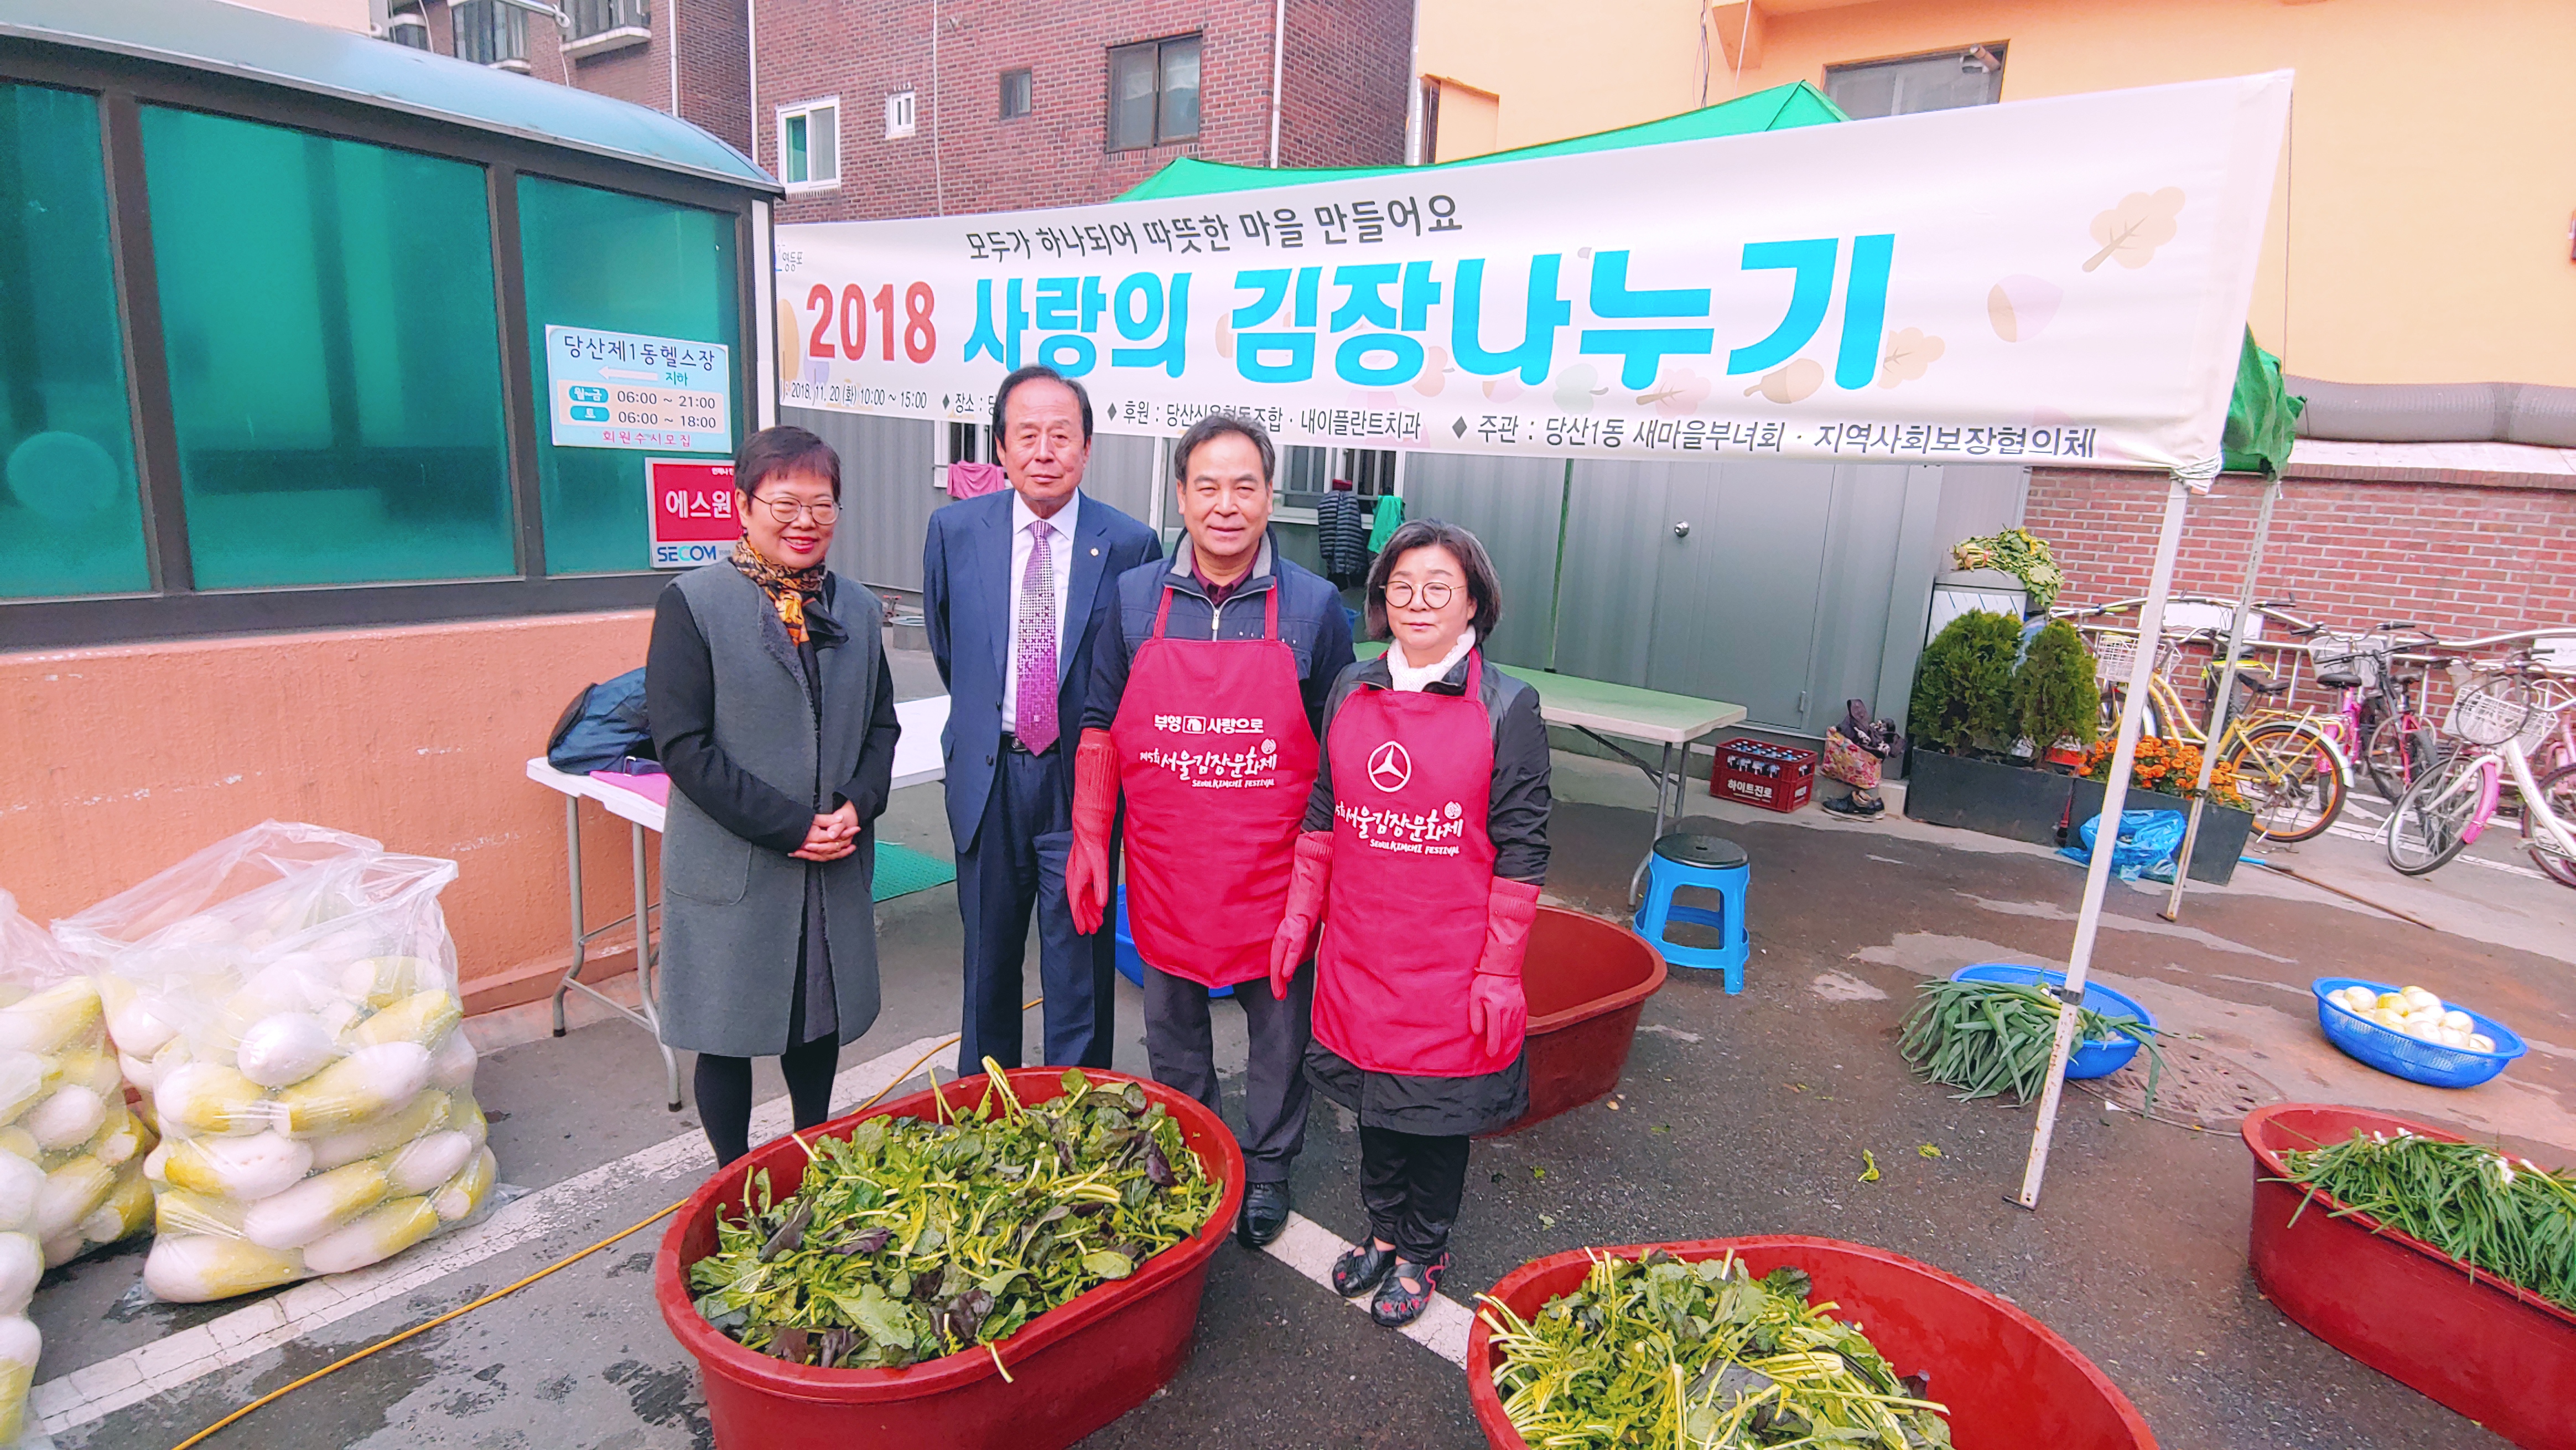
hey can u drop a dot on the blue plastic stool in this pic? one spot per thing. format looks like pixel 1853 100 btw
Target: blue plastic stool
pixel 1685 859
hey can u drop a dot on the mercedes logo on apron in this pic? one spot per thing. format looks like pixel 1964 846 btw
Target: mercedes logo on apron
pixel 1389 768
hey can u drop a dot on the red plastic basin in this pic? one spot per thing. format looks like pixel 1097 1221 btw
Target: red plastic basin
pixel 2503 1356
pixel 1587 980
pixel 1073 1369
pixel 2010 1383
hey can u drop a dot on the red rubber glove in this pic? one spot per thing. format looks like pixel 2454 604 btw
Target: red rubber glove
pixel 1497 1007
pixel 1095 810
pixel 1296 935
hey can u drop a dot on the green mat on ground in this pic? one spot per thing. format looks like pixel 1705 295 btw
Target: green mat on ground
pixel 902 871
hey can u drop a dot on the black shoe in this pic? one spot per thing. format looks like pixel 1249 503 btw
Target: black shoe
pixel 1265 1214
pixel 1359 1271
pixel 1395 1305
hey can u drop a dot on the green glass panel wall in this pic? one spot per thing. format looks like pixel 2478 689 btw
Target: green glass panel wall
pixel 71 521
pixel 334 353
pixel 618 263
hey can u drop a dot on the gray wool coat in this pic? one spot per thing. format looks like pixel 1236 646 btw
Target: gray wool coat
pixel 732 910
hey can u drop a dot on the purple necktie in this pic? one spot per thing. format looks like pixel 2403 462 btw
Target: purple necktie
pixel 1034 644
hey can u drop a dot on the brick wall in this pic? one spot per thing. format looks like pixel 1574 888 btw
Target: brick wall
pixel 714 62
pixel 2464 558
pixel 1343 105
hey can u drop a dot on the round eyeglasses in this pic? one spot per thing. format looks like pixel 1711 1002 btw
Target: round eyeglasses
pixel 1434 595
pixel 785 510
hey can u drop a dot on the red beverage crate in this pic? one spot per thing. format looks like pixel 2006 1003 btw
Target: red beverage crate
pixel 1759 773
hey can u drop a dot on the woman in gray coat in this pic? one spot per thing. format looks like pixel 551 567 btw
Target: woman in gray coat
pixel 773 710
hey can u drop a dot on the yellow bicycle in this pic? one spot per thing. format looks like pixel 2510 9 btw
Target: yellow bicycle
pixel 2290 764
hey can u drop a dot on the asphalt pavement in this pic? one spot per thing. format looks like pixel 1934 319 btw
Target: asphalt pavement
pixel 1736 1115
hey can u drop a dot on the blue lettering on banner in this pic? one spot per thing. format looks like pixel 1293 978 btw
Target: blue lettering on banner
pixel 1276 356
pixel 1000 344
pixel 1364 304
pixel 1172 315
pixel 1067 315
pixel 1543 312
pixel 1645 348
pixel 1864 304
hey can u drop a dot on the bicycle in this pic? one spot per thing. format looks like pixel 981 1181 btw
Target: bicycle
pixel 2377 701
pixel 2502 720
pixel 2292 767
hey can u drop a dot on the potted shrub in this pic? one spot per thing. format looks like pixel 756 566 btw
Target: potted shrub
pixel 1964 719
pixel 2056 698
pixel 2168 774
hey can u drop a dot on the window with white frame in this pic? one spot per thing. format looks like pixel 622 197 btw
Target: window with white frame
pixel 809 145
pixel 899 115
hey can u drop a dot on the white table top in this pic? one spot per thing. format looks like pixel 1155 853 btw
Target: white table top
pixel 916 762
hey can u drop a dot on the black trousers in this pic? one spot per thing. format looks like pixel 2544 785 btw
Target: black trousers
pixel 1411 1186
pixel 1180 1047
pixel 1014 869
pixel 724 1083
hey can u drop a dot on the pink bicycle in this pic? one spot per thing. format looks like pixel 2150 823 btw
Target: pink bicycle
pixel 2500 724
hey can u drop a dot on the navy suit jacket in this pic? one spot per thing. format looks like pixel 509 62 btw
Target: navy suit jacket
pixel 966 604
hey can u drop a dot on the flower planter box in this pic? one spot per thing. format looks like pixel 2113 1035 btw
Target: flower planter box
pixel 2016 802
pixel 2010 1383
pixel 2501 1355
pixel 1072 1369
pixel 2223 829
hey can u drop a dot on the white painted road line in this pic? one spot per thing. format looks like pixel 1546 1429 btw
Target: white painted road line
pixel 1310 1248
pixel 2464 858
pixel 98 1390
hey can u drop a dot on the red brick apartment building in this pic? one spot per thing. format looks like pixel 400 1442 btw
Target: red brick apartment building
pixel 886 108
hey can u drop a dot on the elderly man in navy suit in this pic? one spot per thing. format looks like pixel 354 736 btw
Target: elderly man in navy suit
pixel 1015 586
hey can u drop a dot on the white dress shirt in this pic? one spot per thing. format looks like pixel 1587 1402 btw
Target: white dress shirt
pixel 1060 549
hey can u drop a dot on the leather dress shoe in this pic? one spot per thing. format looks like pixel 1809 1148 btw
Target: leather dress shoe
pixel 1265 1214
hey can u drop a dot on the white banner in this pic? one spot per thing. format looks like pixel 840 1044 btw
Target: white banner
pixel 2059 280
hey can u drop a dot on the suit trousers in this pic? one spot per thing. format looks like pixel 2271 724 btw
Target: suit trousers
pixel 1014 869
pixel 1411 1185
pixel 1180 1046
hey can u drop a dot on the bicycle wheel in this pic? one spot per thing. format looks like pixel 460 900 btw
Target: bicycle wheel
pixel 2427 827
pixel 2288 777
pixel 2558 791
pixel 2400 749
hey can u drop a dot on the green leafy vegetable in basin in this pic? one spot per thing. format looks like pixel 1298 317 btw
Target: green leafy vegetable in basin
pixel 1701 1356
pixel 2507 1216
pixel 1995 1037
pixel 913 1239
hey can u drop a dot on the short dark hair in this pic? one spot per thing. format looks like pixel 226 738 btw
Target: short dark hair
pixel 1217 425
pixel 1030 374
pixel 1484 587
pixel 784 449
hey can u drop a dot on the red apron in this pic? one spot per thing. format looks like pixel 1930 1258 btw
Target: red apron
pixel 1214 800
pixel 1404 916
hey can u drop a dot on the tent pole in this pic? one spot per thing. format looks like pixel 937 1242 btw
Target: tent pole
pixel 2115 797
pixel 2226 692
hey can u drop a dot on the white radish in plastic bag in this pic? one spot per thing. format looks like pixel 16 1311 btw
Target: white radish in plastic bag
pixel 22 1264
pixel 243 1169
pixel 285 1049
pixel 19 1344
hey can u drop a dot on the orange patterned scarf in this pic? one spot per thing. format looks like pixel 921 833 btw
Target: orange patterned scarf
pixel 788 589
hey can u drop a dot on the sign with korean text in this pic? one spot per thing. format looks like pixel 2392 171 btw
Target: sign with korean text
pixel 2056 280
pixel 691 505
pixel 622 390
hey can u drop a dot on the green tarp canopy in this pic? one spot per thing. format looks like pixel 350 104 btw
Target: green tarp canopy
pixel 2259 415
pixel 1777 109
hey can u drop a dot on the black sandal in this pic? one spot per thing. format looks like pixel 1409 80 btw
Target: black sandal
pixel 1357 1272
pixel 1395 1305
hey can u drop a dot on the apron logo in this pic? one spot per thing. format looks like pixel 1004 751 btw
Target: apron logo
pixel 1389 768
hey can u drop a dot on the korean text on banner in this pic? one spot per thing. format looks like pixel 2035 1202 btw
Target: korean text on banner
pixel 2060 279
pixel 690 502
pixel 622 390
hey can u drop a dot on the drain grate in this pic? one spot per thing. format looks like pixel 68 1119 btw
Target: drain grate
pixel 2199 1086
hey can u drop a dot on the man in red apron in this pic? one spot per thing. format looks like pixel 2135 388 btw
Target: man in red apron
pixel 1425 843
pixel 1205 692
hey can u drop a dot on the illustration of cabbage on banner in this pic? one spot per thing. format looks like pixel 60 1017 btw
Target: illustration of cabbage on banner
pixel 286 1000
pixel 2062 279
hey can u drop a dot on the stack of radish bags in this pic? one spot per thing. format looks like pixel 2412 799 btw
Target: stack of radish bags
pixel 71 1153
pixel 285 1004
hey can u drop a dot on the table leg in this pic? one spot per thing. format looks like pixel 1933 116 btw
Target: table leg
pixel 1665 786
pixel 580 937
pixel 647 973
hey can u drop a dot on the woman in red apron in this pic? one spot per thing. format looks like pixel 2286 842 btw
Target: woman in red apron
pixel 1424 846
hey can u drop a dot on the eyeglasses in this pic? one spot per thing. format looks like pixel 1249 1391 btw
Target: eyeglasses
pixel 1434 595
pixel 785 510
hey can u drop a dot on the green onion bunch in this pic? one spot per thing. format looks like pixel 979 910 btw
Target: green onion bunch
pixel 1701 1356
pixel 911 1239
pixel 2506 1216
pixel 1989 1038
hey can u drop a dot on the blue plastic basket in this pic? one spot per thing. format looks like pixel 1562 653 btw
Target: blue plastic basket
pixel 2429 1063
pixel 2090 1059
pixel 1132 966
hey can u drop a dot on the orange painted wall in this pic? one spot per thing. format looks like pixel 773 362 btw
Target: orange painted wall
pixel 121 761
pixel 2420 230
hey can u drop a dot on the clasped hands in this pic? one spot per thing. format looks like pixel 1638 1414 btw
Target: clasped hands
pixel 832 836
